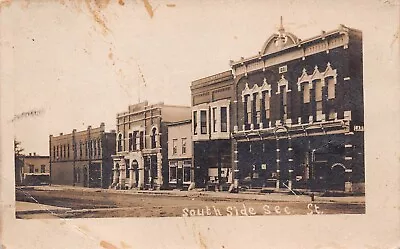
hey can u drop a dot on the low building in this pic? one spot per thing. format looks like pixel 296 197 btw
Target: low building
pixel 141 160
pixel 35 170
pixel 82 158
pixel 181 172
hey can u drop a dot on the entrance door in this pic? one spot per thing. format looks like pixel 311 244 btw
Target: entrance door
pixel 179 176
pixel 337 177
pixel 135 173
pixel 95 175
pixel 85 177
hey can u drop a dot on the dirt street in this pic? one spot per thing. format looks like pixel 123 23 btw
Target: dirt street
pixel 104 204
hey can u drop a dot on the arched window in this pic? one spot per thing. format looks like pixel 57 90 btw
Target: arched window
pixel 153 138
pixel 119 142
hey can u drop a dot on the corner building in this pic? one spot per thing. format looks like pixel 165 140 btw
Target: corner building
pixel 141 159
pixel 298 113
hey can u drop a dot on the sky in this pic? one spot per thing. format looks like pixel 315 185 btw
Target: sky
pixel 81 62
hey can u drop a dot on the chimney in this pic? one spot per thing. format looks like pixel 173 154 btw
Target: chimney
pixel 30 154
pixel 61 133
pixel 34 153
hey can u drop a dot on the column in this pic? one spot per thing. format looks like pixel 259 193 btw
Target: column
pixel 277 164
pixel 132 176
pixel 115 175
pixel 159 171
pixel 122 174
pixel 348 157
pixel 141 175
pixel 290 162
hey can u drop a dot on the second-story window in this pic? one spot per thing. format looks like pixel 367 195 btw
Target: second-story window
pixel 80 149
pixel 318 99
pixel 31 168
pixel 68 151
pixel 306 93
pixel 224 119
pixel 247 106
pixel 153 138
pixel 183 146
pixel 130 142
pixel 283 103
pixel 42 168
pixel 141 140
pixel 57 152
pixel 99 147
pixel 203 122
pixel 214 117
pixel 195 123
pixel 134 141
pixel 119 146
pixel 331 87
pixel 174 146
pixel 54 152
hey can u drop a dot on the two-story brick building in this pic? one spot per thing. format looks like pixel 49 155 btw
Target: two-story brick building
pixel 141 159
pixel 296 104
pixel 211 129
pixel 294 115
pixel 82 158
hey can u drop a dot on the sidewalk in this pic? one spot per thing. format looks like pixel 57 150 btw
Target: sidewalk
pixel 22 207
pixel 219 195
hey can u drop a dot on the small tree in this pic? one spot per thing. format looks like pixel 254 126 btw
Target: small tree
pixel 18 161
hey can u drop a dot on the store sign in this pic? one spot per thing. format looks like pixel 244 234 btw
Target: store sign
pixel 264 166
pixel 359 128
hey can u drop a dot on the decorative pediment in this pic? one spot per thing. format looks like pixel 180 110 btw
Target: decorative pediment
pixel 265 87
pixel 329 72
pixel 282 82
pixel 316 74
pixel 304 77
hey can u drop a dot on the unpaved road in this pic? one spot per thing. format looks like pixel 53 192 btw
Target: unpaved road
pixel 104 204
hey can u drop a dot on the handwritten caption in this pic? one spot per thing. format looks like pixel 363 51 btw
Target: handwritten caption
pixel 244 210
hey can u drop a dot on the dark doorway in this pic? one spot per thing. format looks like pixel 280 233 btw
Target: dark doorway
pixel 95 175
pixel 179 177
pixel 135 167
pixel 337 177
pixel 85 176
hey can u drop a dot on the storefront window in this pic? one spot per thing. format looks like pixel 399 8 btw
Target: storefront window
pixel 186 171
pixel 172 171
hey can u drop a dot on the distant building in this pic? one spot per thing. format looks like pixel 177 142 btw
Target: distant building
pixel 141 159
pixel 211 131
pixel 82 158
pixel 180 154
pixel 36 169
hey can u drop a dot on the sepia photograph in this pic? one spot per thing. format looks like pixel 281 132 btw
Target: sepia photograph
pixel 170 109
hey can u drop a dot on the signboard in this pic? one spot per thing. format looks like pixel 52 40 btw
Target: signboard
pixel 264 166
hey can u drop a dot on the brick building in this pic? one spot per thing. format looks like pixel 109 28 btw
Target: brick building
pixel 299 112
pixel 141 159
pixel 180 154
pixel 82 158
pixel 211 129
pixel 296 114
